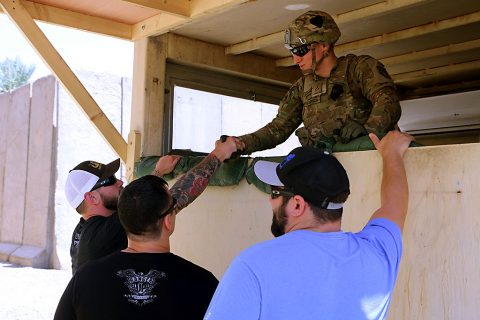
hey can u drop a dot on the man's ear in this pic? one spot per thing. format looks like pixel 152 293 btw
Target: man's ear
pixel 298 206
pixel 92 198
pixel 169 222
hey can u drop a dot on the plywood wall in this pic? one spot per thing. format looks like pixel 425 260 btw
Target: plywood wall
pixel 439 274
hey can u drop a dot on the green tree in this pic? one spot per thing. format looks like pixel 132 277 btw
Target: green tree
pixel 13 74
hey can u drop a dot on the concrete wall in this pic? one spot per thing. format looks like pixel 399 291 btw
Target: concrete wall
pixel 27 160
pixel 78 141
pixel 438 277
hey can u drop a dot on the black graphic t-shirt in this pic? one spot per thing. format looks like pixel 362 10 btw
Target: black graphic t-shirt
pixel 138 286
pixel 96 238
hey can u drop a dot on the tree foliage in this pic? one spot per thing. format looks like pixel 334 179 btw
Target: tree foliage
pixel 13 74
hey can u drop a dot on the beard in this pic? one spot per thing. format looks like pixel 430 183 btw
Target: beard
pixel 109 203
pixel 279 221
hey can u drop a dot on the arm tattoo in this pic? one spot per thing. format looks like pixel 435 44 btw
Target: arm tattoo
pixel 194 182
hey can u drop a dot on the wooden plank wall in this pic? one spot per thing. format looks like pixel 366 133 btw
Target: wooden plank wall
pixel 27 175
pixel 438 277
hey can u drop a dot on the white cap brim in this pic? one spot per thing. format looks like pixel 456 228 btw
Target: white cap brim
pixel 267 172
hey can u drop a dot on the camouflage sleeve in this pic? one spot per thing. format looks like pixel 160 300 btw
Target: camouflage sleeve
pixel 194 182
pixel 288 118
pixel 378 87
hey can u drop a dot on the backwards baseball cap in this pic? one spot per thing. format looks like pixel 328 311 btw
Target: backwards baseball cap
pixel 83 178
pixel 314 174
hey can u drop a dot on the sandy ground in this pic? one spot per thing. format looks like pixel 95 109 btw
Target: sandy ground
pixel 28 293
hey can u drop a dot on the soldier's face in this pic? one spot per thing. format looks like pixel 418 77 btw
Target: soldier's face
pixel 305 62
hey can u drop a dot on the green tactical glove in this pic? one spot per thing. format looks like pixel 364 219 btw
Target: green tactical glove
pixel 352 130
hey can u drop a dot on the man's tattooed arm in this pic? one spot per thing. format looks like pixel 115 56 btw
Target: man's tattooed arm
pixel 194 182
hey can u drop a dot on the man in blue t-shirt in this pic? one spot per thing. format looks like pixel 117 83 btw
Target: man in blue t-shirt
pixel 312 269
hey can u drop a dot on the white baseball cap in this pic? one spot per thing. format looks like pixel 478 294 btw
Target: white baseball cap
pixel 84 177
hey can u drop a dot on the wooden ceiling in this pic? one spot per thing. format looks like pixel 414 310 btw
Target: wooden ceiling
pixel 430 47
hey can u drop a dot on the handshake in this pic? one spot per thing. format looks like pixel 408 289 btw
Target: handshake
pixel 228 147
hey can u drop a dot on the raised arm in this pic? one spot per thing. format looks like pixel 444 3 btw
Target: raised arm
pixel 165 165
pixel 394 188
pixel 194 182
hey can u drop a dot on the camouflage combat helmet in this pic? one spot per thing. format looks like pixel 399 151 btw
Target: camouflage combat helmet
pixel 310 27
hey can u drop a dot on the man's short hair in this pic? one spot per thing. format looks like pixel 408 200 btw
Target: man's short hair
pixel 142 204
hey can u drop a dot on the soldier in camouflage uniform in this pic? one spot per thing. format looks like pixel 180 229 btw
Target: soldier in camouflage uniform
pixel 337 99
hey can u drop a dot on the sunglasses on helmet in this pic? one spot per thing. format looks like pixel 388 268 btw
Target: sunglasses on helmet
pixel 300 51
pixel 110 181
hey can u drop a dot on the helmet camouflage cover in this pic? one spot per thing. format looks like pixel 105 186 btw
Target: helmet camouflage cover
pixel 310 27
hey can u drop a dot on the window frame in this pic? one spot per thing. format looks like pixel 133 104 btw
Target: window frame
pixel 217 82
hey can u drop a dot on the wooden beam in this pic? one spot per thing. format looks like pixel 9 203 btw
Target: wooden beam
pixel 76 20
pixel 156 25
pixel 133 154
pixel 408 94
pixel 431 53
pixel 409 33
pixel 397 35
pixel 148 92
pixel 165 22
pixel 204 8
pixel 255 43
pixel 437 71
pixel 176 7
pixel 22 19
pixel 377 9
pixel 203 54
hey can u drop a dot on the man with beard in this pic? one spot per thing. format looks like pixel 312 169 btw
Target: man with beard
pixel 92 190
pixel 146 280
pixel 313 269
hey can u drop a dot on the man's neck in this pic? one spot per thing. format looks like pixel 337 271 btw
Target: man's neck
pixel 313 225
pixel 324 69
pixel 147 245
pixel 103 212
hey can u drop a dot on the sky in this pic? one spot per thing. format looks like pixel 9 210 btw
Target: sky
pixel 80 49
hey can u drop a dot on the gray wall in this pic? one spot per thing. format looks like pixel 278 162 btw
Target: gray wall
pixel 78 140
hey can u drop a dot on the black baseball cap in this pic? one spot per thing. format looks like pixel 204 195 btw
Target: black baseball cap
pixel 314 174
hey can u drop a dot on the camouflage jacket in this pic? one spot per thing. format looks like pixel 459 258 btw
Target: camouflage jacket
pixel 359 89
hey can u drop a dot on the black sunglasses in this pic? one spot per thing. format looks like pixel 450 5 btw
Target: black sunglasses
pixel 300 50
pixel 110 181
pixel 174 203
pixel 277 192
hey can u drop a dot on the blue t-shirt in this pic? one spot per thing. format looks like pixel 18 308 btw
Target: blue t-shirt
pixel 312 275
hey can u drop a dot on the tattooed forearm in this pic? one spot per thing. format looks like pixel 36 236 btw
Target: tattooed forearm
pixel 194 182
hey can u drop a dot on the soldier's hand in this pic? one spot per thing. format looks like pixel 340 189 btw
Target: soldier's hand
pixel 352 130
pixel 224 148
pixel 165 165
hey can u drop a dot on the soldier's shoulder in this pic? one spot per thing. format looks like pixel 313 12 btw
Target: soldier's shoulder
pixel 361 60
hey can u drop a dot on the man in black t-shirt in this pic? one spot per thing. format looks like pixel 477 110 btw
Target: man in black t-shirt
pixel 146 280
pixel 92 190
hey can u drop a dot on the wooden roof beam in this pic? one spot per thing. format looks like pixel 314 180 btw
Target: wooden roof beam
pixel 164 22
pixel 437 71
pixel 432 53
pixel 377 9
pixel 76 20
pixel 22 19
pixel 397 35
pixel 179 8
